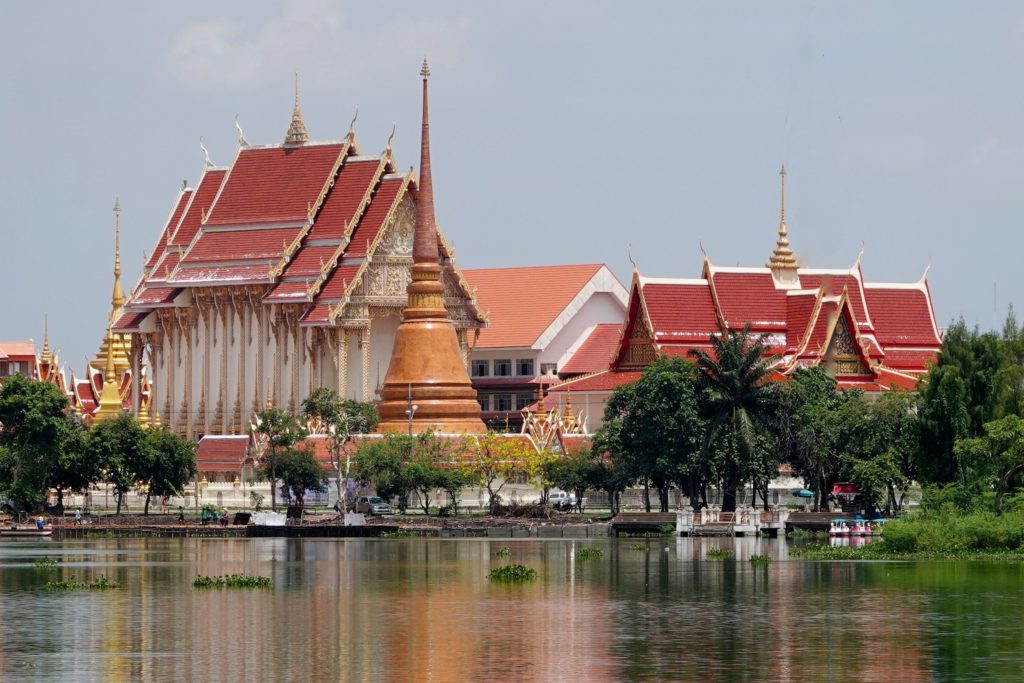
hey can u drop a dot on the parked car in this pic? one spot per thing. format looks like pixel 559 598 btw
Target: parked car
pixel 372 505
pixel 560 500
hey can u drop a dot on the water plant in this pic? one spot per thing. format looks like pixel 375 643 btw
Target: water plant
pixel 640 547
pixel 46 564
pixel 232 581
pixel 589 553
pixel 513 573
pixel 398 533
pixel 74 584
pixel 760 560
pixel 718 554
pixel 503 551
pixel 666 529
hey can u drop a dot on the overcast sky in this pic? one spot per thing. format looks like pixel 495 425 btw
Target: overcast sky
pixel 562 132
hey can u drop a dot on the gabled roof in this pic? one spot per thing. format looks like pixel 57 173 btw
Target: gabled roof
pixel 595 351
pixel 499 294
pixel 18 349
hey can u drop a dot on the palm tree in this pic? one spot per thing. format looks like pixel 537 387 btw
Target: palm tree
pixel 740 402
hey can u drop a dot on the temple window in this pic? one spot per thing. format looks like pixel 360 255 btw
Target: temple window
pixel 524 367
pixel 503 367
pixel 485 401
pixel 503 403
pixel 481 368
pixel 523 400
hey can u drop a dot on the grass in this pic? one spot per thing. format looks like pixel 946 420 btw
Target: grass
pixel 74 584
pixel 399 533
pixel 503 551
pixel 46 564
pixel 513 573
pixel 760 560
pixel 589 553
pixel 718 554
pixel 232 581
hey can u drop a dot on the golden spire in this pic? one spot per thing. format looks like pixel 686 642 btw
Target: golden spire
pixel 110 397
pixel 46 356
pixel 297 133
pixel 783 257
pixel 117 299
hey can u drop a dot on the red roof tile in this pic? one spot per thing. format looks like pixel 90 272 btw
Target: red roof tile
pixel 902 316
pixel 241 245
pixel 155 295
pixel 18 349
pixel 307 261
pixel 373 220
pixel 221 453
pixel 751 298
pixel 257 273
pixel 172 223
pixel 680 313
pixel 499 294
pixel 274 184
pixel 596 352
pixel 334 288
pixel 201 200
pixel 799 308
pixel 344 198
pixel 834 284
pixel 317 314
pixel 129 321
pixel 917 360
pixel 288 291
pixel 602 381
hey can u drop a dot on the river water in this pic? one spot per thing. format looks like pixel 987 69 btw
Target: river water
pixel 424 610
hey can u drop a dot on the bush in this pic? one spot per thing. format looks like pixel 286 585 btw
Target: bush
pixel 503 551
pixel 73 584
pixel 232 581
pixel 760 560
pixel 589 553
pixel 900 537
pixel 513 573
pixel 718 554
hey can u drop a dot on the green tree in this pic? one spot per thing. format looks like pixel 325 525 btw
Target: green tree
pixel 171 464
pixel 577 472
pixel 654 428
pixel 380 463
pixel 121 450
pixel 495 461
pixel 426 470
pixel 299 471
pixel 344 419
pixel 880 438
pixel 74 470
pixel 36 433
pixel 812 404
pixel 280 431
pixel 741 403
pixel 997 456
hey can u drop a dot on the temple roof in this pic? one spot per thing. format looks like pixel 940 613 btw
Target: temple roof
pixel 596 350
pixel 551 291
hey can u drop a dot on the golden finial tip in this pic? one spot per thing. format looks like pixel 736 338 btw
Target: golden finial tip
pixel 117 205
pixel 782 171
pixel 425 69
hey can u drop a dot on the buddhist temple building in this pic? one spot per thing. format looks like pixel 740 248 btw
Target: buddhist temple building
pixel 868 335
pixel 283 271
pixel 19 358
pixel 538 318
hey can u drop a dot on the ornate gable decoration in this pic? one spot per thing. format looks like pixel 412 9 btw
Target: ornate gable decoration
pixel 843 356
pixel 641 350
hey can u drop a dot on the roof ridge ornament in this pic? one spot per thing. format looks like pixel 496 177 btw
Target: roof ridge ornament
pixel 117 298
pixel 387 148
pixel 206 154
pixel 629 254
pixel 297 133
pixel 782 258
pixel 242 142
pixel 352 126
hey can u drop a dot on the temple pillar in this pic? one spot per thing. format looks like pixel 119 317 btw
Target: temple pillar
pixel 364 336
pixel 243 329
pixel 341 364
pixel 204 396
pixel 136 385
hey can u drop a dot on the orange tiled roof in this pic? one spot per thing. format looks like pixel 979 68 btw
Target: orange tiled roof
pixel 499 294
pixel 17 349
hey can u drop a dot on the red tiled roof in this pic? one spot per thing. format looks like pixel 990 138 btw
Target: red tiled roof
pixel 799 308
pixel 274 184
pixel 317 314
pixel 307 261
pixel 499 294
pixel 601 381
pixel 172 223
pixel 373 219
pixel 252 273
pixel 680 313
pixel 344 198
pixel 18 349
pixel 129 321
pixel 221 453
pixel 834 284
pixel 241 245
pixel 684 350
pixel 155 295
pixel 288 291
pixel 910 359
pixel 902 316
pixel 574 443
pixel 201 201
pixel 751 298
pixel 596 352
pixel 334 288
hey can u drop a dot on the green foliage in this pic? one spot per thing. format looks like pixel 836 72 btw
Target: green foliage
pixel 996 457
pixel 121 449
pixel 343 418
pixel 100 584
pixel 495 461
pixel 513 573
pixel 232 581
pixel 589 553
pixel 719 554
pixel 503 551
pixel 300 471
pixel 381 464
pixel 640 547
pixel 171 463
pixel 399 533
pixel 280 432
pixel 760 560
pixel 666 529
pixel 577 472
pixel 45 564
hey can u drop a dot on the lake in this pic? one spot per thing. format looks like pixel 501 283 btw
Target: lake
pixel 410 609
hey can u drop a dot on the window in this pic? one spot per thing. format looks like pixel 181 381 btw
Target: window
pixel 503 403
pixel 523 400
pixel 503 367
pixel 548 368
pixel 485 401
pixel 481 368
pixel 524 367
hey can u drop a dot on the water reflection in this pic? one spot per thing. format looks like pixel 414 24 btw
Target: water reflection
pixel 419 609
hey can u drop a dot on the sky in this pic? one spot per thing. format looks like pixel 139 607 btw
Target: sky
pixel 562 132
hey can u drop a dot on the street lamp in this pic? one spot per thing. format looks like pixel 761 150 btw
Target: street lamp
pixel 411 410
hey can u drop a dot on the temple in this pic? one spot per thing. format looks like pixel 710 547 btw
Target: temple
pixel 285 271
pixel 871 336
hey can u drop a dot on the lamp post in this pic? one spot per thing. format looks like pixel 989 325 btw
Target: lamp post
pixel 411 410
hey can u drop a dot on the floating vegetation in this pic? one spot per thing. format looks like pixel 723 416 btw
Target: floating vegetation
pixel 718 554
pixel 666 529
pixel 46 564
pixel 640 547
pixel 760 560
pixel 589 553
pixel 232 581
pixel 398 533
pixel 503 551
pixel 513 573
pixel 74 584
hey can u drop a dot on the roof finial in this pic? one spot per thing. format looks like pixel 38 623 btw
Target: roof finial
pixel 387 149
pixel 297 133
pixel 782 257
pixel 242 142
pixel 424 245
pixel 206 154
pixel 629 253
pixel 352 125
pixel 46 356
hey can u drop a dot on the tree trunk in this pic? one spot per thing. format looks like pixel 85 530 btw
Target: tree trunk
pixel 729 498
pixel 145 509
pixel 1004 482
pixel 426 504
pixel 120 494
pixel 663 498
pixel 647 495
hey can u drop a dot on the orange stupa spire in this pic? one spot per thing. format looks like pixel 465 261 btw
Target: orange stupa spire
pixel 427 375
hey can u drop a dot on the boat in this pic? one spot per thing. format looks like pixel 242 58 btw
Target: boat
pixel 25 531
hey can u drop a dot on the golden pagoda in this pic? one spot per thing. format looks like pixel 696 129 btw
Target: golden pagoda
pixel 119 344
pixel 110 398
pixel 427 386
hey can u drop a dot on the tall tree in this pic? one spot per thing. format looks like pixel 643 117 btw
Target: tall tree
pixel 281 431
pixel 997 456
pixel 299 471
pixel 812 404
pixel 654 429
pixel 740 403
pixel 121 449
pixel 344 419
pixel 495 461
pixel 171 464
pixel 380 463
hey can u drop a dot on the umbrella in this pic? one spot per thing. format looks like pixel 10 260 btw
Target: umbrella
pixel 803 493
